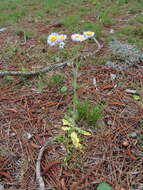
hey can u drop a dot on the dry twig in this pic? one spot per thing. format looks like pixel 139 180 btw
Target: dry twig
pixel 52 67
pixel 40 181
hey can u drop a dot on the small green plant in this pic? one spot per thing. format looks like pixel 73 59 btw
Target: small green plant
pixel 88 113
pixel 136 7
pixel 121 2
pixel 106 19
pixel 104 186
pixel 98 4
pixel 71 21
pixel 40 84
pixel 127 30
pixel 26 35
pixel 56 79
pixel 8 80
pixel 11 51
pixel 140 142
pixel 97 27
pixel 137 19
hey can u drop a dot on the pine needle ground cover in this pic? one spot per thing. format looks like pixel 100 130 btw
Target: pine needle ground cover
pixel 99 98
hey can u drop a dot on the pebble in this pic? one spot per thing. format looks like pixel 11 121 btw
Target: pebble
pixel 113 76
pixel 112 31
pixel 109 122
pixel 131 91
pixel 133 134
pixel 3 29
pixel 28 136
pixel 1 187
pixel 125 143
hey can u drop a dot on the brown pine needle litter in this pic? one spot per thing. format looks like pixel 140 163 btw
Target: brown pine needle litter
pixel 104 158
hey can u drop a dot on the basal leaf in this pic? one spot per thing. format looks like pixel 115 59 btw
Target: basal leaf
pixel 75 140
pixel 136 97
pixel 82 132
pixel 66 122
pixel 104 186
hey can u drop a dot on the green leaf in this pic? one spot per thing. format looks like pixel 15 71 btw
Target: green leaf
pixel 136 97
pixel 104 186
pixel 64 89
pixel 121 83
pixel 94 3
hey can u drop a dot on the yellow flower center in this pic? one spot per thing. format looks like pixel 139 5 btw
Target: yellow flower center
pixel 78 37
pixel 88 33
pixel 62 37
pixel 53 38
pixel 81 38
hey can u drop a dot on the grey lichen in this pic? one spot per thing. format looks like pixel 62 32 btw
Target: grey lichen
pixel 126 52
pixel 125 55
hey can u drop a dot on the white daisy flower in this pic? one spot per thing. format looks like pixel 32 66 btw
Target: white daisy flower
pixel 78 37
pixel 62 37
pixel 88 34
pixel 61 45
pixel 53 39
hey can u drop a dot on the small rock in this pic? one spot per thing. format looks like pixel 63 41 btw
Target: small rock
pixel 112 76
pixel 129 91
pixel 109 122
pixel 28 136
pixel 124 20
pixel 13 134
pixel 111 31
pixel 133 134
pixel 3 29
pixel 125 143
pixel 1 187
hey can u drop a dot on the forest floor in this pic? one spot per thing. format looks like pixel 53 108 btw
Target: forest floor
pixel 32 108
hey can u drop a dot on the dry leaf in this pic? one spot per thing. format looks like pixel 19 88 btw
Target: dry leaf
pixel 75 140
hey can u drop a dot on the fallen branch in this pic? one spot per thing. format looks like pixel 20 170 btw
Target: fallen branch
pixel 52 67
pixel 39 179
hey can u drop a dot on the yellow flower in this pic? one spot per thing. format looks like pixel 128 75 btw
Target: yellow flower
pixel 75 140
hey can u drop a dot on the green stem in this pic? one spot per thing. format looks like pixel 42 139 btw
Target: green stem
pixel 75 72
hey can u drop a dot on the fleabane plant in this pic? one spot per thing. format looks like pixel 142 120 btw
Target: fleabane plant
pixel 59 39
pixel 73 133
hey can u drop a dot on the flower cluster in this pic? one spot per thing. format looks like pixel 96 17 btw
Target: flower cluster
pixel 55 38
pixel 82 37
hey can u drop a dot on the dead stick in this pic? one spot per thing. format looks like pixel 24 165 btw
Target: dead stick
pixel 40 181
pixel 52 67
